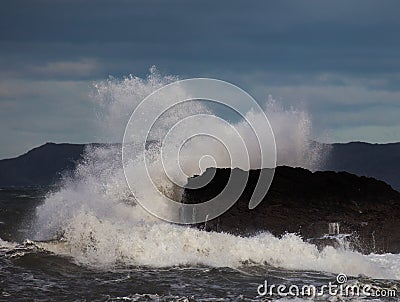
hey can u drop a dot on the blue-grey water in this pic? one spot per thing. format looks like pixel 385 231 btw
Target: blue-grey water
pixel 59 271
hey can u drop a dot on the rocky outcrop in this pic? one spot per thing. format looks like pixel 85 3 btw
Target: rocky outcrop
pixel 303 202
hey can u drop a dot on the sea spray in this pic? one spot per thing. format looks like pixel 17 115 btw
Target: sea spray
pixel 95 214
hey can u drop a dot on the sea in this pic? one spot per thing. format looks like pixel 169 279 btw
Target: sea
pixel 100 260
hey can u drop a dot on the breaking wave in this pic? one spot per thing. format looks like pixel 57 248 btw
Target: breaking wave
pixel 94 216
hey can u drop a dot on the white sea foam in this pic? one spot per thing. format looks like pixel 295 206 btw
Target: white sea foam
pixel 6 244
pixel 94 210
pixel 104 243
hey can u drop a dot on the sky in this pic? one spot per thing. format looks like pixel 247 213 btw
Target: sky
pixel 340 60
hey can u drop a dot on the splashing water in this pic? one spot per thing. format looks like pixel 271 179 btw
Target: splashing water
pixel 95 212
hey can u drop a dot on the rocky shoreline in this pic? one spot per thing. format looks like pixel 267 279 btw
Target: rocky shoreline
pixel 314 205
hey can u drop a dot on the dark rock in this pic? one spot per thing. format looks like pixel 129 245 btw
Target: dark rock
pixel 303 202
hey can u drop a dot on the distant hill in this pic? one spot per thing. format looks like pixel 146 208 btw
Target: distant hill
pixel 43 165
pixel 40 166
pixel 381 161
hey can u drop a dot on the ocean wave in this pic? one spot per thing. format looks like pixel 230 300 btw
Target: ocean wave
pixel 94 212
pixel 103 243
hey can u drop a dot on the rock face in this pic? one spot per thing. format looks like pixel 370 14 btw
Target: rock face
pixel 312 205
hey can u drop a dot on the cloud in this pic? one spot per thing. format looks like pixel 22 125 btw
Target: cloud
pixel 77 69
pixel 34 112
pixel 380 134
pixel 337 103
pixel 289 36
pixel 339 59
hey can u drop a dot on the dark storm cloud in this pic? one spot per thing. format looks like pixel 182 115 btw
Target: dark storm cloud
pixel 350 36
pixel 341 57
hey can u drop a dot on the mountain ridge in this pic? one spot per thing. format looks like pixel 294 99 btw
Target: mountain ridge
pixel 45 165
